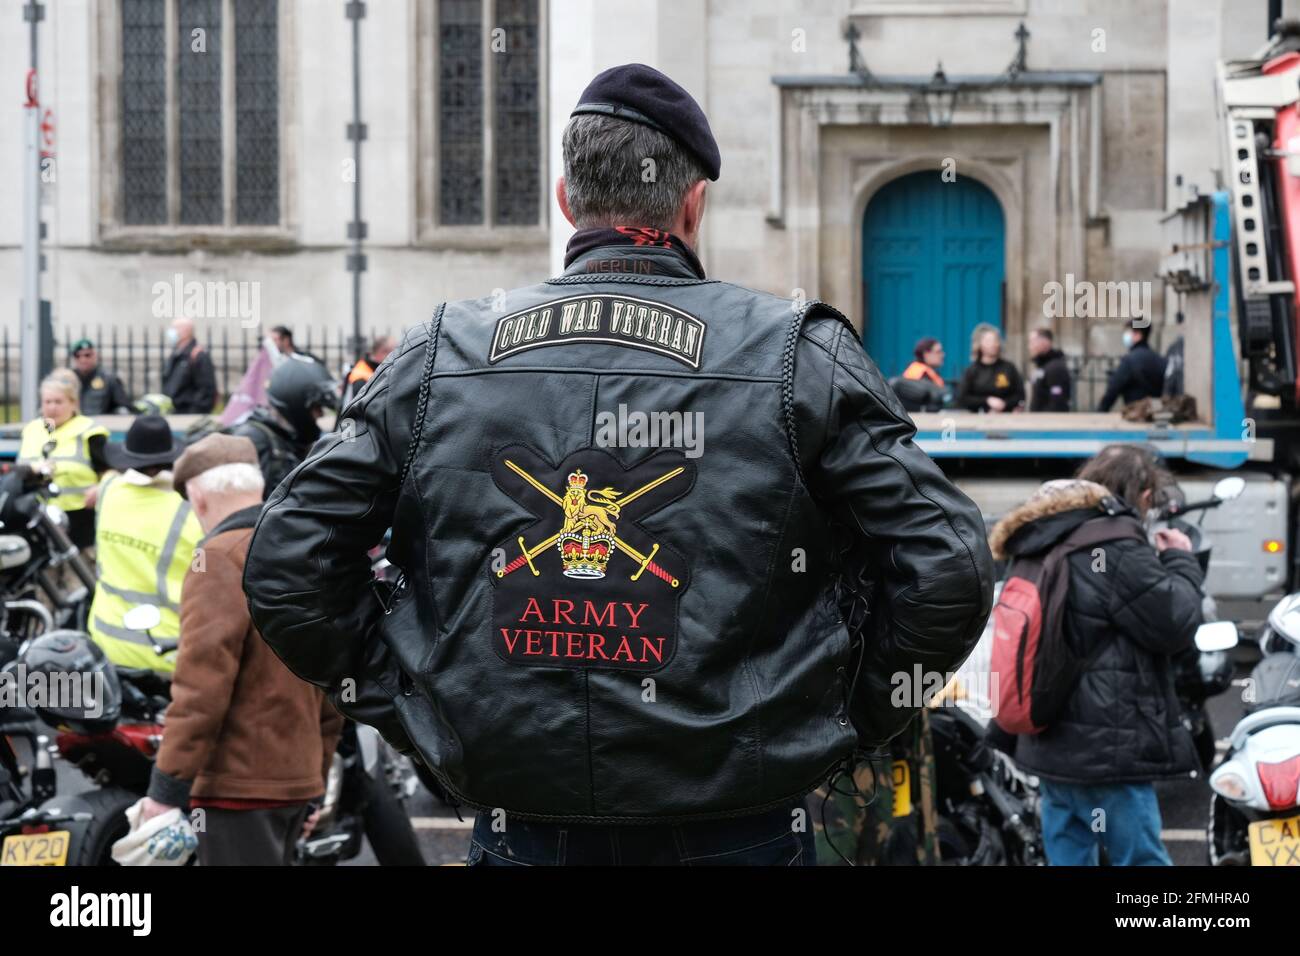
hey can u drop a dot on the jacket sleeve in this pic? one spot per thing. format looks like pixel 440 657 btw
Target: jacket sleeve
pixel 117 394
pixel 308 577
pixel 1118 379
pixel 205 381
pixel 214 624
pixel 1157 601
pixel 1057 376
pixel 967 397
pixel 922 541
pixel 1016 397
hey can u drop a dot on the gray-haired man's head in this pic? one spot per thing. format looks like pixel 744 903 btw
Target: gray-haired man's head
pixel 618 172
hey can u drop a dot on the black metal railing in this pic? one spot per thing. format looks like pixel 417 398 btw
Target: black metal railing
pixel 1090 374
pixel 138 357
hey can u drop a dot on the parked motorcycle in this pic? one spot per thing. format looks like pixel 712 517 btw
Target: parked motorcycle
pixel 116 748
pixel 366 792
pixel 1254 808
pixel 35 550
pixel 988 803
pixel 33 546
pixel 93 711
pixel 28 834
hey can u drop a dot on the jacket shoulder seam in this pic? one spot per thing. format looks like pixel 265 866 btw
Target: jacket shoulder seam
pixel 787 376
pixel 422 400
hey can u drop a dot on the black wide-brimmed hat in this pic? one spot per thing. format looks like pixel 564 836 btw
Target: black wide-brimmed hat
pixel 149 442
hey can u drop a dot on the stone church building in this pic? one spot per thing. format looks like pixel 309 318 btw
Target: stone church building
pixel 925 165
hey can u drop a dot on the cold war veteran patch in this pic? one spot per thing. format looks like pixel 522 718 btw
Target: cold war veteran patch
pixel 613 319
pixel 586 586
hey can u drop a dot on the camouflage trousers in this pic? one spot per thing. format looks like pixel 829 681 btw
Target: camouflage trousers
pixel 884 812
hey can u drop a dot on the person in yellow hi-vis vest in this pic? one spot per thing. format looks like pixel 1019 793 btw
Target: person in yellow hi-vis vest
pixel 75 457
pixel 145 538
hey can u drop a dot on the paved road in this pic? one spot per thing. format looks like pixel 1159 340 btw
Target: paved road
pixel 443 838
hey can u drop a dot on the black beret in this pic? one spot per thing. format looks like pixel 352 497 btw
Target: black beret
pixel 642 94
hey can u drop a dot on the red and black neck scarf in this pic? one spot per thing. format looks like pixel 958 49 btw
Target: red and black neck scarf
pixel 585 240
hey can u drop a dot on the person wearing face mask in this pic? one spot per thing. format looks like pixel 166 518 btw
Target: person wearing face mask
pixel 189 379
pixel 284 429
pixel 1140 373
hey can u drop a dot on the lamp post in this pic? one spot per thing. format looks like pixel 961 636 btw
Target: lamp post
pixel 940 98
pixel 356 133
pixel 29 338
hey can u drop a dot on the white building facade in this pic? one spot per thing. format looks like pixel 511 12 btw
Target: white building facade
pixel 946 172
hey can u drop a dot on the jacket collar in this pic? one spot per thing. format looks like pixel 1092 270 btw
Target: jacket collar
pixel 1014 533
pixel 243 518
pixel 1049 356
pixel 161 480
pixel 627 250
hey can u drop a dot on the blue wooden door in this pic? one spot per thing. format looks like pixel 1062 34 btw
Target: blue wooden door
pixel 932 265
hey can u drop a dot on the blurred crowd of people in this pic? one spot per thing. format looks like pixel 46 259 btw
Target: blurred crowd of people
pixel 992 384
pixel 150 511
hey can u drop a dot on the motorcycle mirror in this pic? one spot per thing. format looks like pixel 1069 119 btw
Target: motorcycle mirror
pixel 47 449
pixel 1218 636
pixel 142 617
pixel 1228 488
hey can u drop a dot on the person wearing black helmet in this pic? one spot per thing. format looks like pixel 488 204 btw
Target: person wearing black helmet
pixel 284 428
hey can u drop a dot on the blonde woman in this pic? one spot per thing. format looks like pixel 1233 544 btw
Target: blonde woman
pixel 70 448
pixel 990 383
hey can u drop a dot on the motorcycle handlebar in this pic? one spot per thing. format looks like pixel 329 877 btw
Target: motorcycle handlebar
pixel 1176 511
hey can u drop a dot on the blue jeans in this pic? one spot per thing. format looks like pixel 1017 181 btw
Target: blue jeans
pixel 766 839
pixel 1078 819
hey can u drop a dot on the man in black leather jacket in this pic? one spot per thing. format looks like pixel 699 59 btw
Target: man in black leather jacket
pixel 622 505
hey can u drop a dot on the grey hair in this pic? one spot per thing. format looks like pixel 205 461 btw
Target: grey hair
pixel 609 181
pixel 236 477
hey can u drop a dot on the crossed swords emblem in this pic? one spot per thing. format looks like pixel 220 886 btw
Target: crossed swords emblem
pixel 645 562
